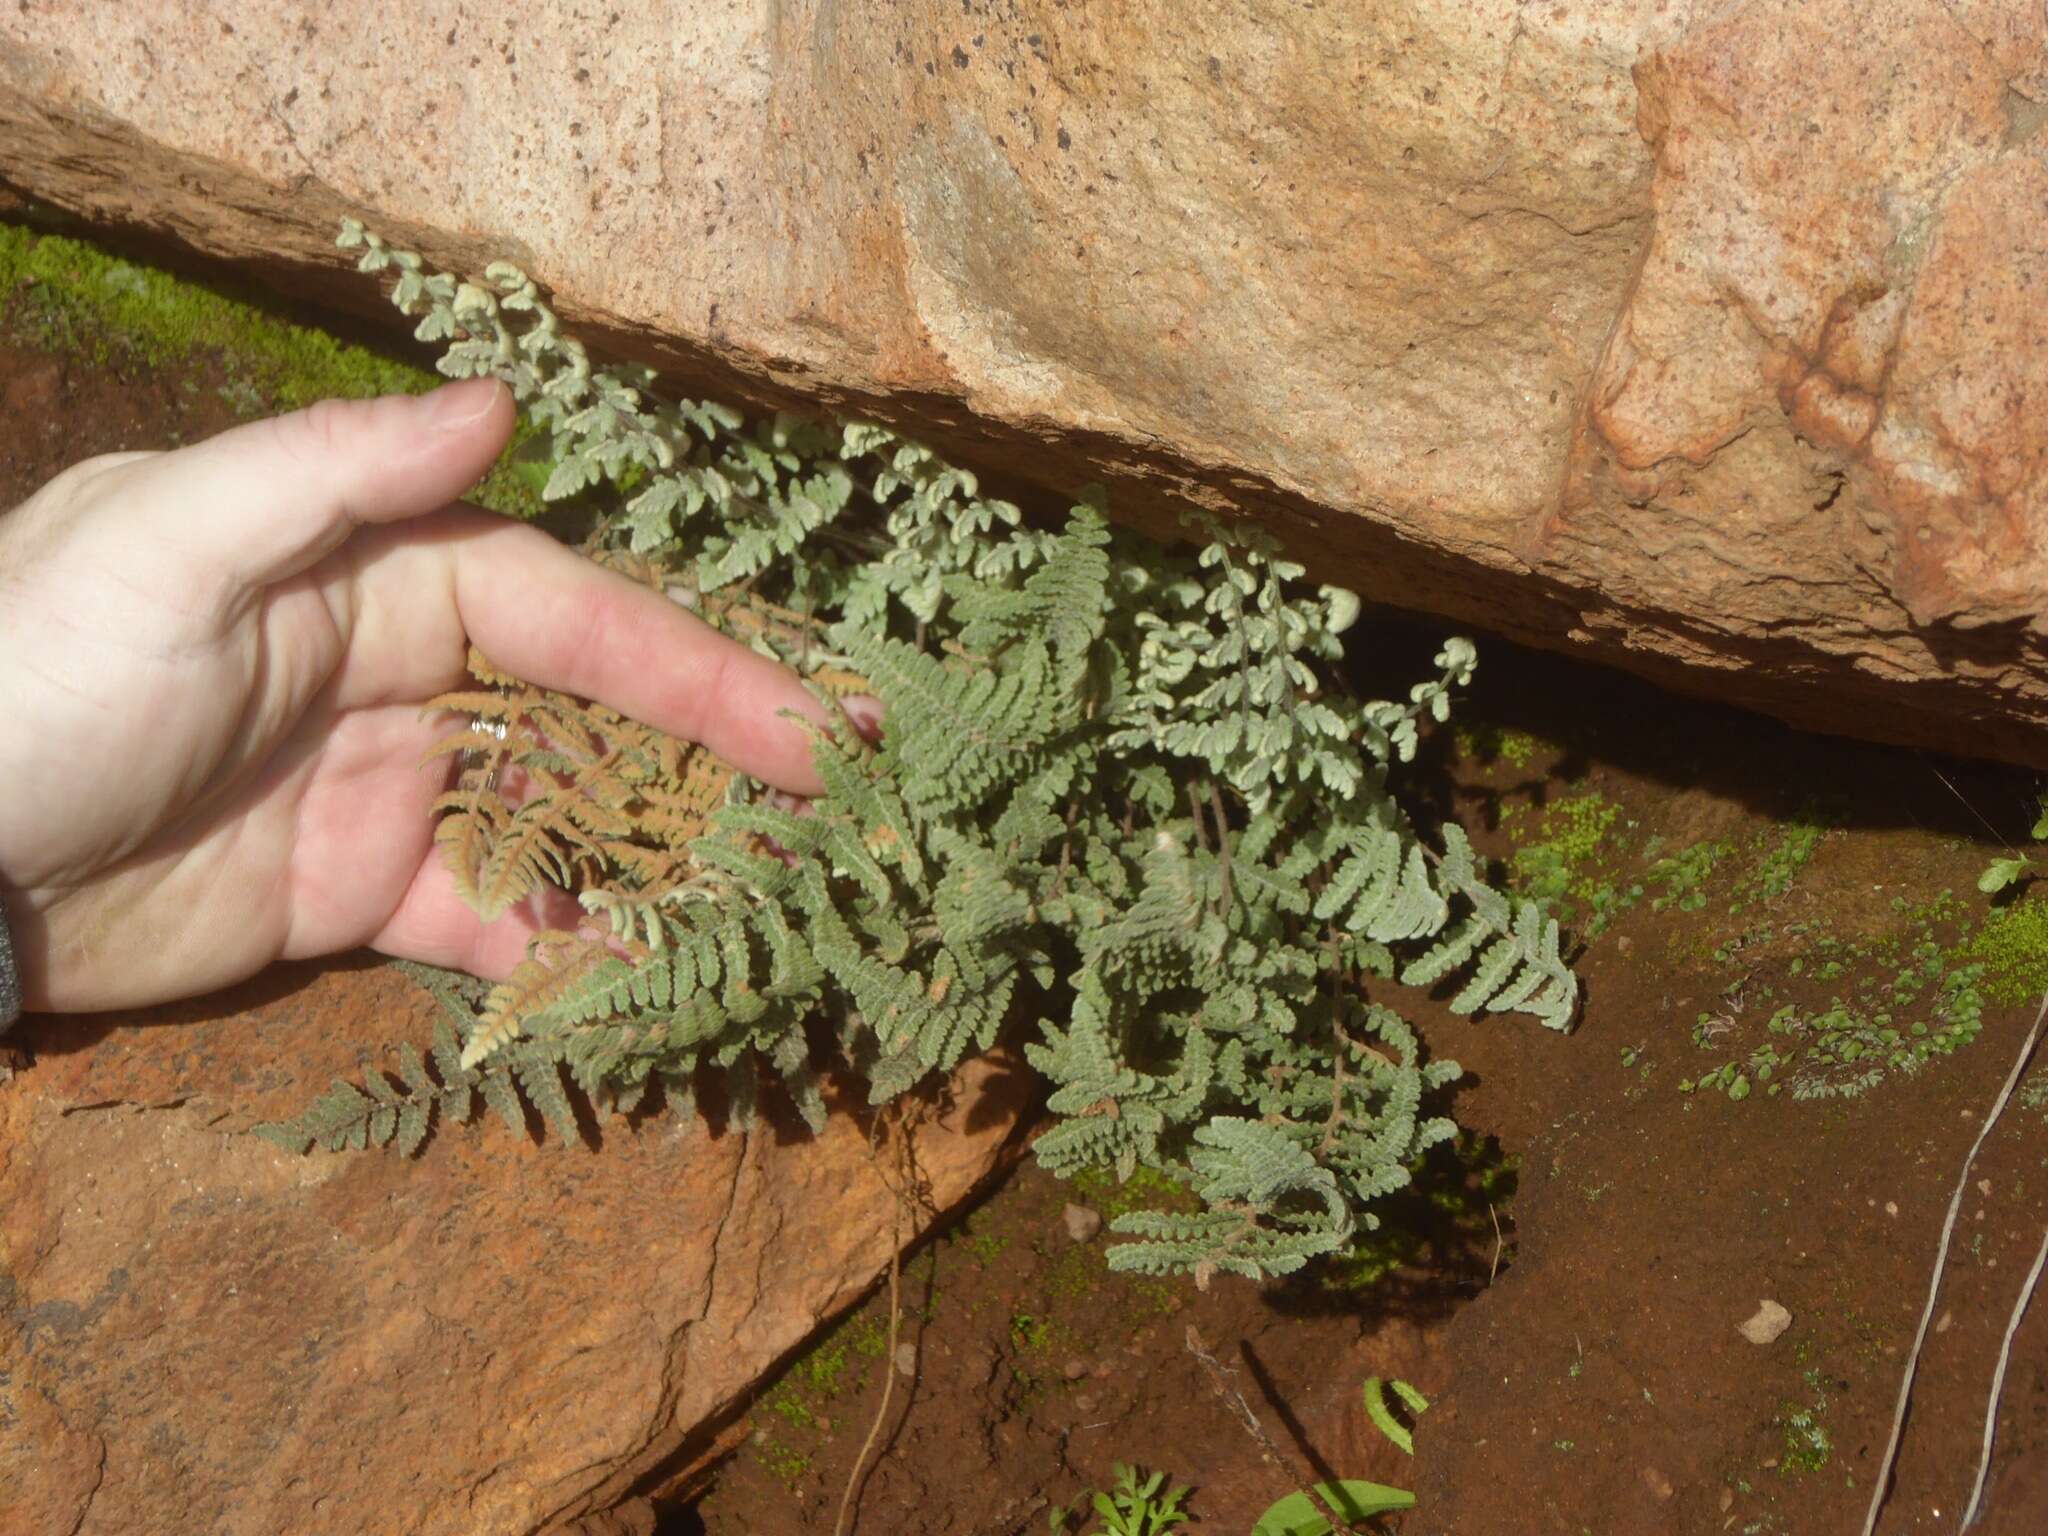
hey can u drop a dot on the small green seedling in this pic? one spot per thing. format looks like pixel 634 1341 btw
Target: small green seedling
pixel 1132 1508
pixel 1383 1417
pixel 2003 874
pixel 1307 1513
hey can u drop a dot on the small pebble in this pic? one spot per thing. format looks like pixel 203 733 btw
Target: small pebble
pixel 906 1359
pixel 1074 1370
pixel 1084 1402
pixel 1984 1188
pixel 1767 1325
pixel 1942 1326
pixel 1891 1207
pixel 1727 1500
pixel 1082 1224
pixel 1658 1484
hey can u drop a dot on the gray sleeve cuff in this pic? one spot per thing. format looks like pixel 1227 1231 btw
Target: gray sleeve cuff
pixel 10 981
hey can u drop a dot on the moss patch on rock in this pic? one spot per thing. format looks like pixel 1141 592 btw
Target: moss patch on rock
pixel 69 297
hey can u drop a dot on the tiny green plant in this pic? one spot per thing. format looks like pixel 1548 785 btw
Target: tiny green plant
pixel 1808 1446
pixel 1307 1512
pixel 1382 1415
pixel 1929 1009
pixel 1124 804
pixel 1136 1506
pixel 2016 869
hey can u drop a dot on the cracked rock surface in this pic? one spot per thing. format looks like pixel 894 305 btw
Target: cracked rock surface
pixel 199 1331
pixel 1706 339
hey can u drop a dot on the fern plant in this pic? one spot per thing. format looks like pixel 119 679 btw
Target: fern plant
pixel 1122 801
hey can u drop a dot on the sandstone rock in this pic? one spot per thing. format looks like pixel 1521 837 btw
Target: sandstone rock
pixel 1767 1324
pixel 1081 1223
pixel 199 1332
pixel 1706 339
pixel 636 1518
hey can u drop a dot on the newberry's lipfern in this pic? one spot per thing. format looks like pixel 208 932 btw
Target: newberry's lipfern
pixel 1120 802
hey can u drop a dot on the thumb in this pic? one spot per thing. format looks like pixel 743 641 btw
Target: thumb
pixel 261 502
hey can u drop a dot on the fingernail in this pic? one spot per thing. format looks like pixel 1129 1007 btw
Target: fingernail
pixel 455 406
pixel 865 713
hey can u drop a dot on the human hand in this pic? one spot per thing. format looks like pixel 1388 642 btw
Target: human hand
pixel 212 663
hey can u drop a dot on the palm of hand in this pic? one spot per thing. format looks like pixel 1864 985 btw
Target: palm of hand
pixel 265 753
pixel 216 755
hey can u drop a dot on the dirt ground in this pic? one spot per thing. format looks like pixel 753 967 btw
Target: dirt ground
pixel 1799 1008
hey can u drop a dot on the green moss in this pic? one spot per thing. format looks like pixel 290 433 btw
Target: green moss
pixel 1566 864
pixel 821 1373
pixel 822 1368
pixel 2012 946
pixel 1074 1271
pixel 2033 1092
pixel 1488 743
pixel 982 1246
pixel 1781 857
pixel 1146 1189
pixel 1460 1188
pixel 1372 1256
pixel 1681 877
pixel 791 1407
pixel 868 1335
pixel 1905 1000
pixel 1574 828
pixel 1154 1297
pixel 74 297
pixel 67 296
pixel 785 1463
pixel 1808 1445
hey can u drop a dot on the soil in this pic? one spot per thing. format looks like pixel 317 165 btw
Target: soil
pixel 1567 1282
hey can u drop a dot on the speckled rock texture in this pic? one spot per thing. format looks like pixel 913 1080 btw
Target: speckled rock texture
pixel 199 1332
pixel 1705 338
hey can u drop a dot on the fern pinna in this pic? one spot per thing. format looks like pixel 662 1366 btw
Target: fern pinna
pixel 1119 800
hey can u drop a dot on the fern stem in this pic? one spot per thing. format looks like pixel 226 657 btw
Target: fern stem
pixel 1059 879
pixel 1222 843
pixel 1339 1076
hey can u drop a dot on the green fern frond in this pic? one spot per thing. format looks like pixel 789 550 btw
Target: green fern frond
pixel 1125 781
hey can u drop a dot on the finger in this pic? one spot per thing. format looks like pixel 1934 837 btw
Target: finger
pixel 552 617
pixel 263 501
pixel 434 926
pixel 864 713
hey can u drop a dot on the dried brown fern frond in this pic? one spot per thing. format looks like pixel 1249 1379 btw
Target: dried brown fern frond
pixel 599 803
pixel 471 820
pixel 539 844
pixel 556 963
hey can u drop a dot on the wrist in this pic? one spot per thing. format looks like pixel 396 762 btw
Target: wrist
pixel 10 976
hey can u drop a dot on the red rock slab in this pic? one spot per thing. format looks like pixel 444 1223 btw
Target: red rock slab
pixel 199 1331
